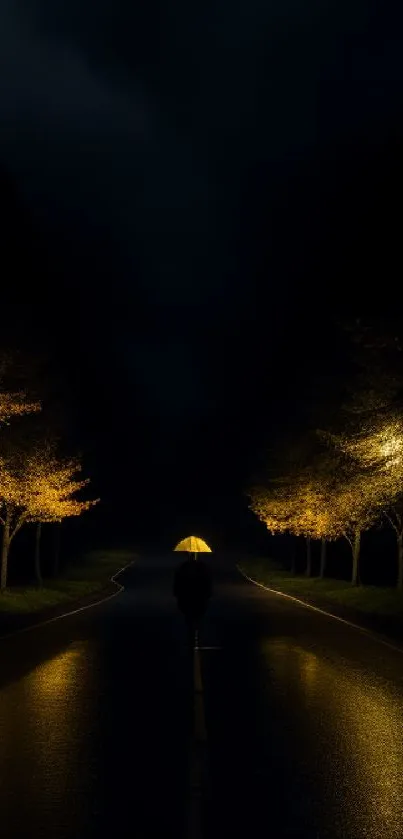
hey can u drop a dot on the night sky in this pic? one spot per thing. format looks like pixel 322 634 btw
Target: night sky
pixel 193 194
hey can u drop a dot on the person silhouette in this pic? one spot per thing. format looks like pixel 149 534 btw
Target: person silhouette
pixel 193 590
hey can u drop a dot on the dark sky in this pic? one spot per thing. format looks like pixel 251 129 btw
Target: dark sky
pixel 193 193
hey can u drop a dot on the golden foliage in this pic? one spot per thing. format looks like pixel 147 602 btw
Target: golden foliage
pixel 339 495
pixel 273 506
pixel 51 486
pixel 374 471
pixel 38 486
pixel 16 405
pixel 303 507
pixel 378 447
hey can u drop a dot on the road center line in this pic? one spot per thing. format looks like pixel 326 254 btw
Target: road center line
pixel 198 753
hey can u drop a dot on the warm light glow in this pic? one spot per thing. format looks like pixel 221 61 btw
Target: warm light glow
pixel 51 678
pixel 391 450
pixel 380 446
pixel 375 472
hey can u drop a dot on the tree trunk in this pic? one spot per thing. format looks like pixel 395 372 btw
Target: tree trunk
pixel 308 571
pixel 56 548
pixel 400 561
pixel 323 547
pixel 355 579
pixel 5 547
pixel 38 574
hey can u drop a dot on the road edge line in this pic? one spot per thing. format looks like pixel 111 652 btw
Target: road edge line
pixel 73 611
pixel 371 633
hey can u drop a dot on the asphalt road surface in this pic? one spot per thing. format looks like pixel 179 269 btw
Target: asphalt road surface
pixel 285 722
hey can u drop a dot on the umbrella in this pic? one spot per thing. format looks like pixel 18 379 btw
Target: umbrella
pixel 193 544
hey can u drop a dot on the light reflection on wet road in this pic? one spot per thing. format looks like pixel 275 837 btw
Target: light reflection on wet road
pixel 42 745
pixel 304 720
pixel 354 725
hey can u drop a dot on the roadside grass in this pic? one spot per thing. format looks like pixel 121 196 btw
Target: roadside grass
pixel 370 600
pixel 89 575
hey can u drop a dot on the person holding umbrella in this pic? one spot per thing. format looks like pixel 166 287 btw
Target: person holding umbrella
pixel 192 583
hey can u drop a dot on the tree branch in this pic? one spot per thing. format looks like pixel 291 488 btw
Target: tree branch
pixel 346 536
pixel 20 521
pixel 393 524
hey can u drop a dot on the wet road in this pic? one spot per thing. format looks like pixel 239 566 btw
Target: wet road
pixel 303 719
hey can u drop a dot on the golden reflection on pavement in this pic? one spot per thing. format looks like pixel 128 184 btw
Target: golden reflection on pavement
pixel 51 680
pixel 355 719
pixel 40 740
pixel 54 690
pixel 53 685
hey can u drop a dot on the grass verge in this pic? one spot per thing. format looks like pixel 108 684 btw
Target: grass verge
pixel 90 575
pixel 372 601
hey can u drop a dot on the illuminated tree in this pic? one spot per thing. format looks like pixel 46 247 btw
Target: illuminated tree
pixel 357 511
pixel 281 501
pixel 36 487
pixel 308 468
pixel 383 449
pixel 371 479
pixel 53 489
pixel 302 505
pixel 273 505
pixel 344 482
pixel 315 515
pixel 13 507
pixel 342 491
pixel 372 439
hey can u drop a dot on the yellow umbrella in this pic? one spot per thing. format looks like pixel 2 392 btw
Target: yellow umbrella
pixel 193 544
